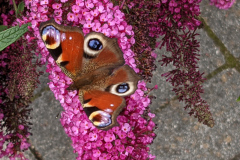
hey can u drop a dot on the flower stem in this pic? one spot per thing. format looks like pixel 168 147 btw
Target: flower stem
pixel 15 7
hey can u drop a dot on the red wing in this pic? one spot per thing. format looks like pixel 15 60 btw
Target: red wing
pixel 102 108
pixel 65 44
pixel 111 54
pixel 101 51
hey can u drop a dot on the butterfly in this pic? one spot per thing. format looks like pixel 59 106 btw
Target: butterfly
pixel 95 63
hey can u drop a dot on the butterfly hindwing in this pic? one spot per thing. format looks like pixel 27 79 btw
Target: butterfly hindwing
pixel 123 81
pixel 102 107
pixel 104 104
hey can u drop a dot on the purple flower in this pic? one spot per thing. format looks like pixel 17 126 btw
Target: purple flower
pixel 1 114
pixel 96 153
pixel 70 16
pixel 93 136
pixel 21 127
pixel 56 5
pixel 108 145
pixel 75 8
pixel 222 4
pixel 126 127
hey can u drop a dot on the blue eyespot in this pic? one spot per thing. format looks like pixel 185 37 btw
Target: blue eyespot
pixel 95 44
pixel 51 36
pixel 122 88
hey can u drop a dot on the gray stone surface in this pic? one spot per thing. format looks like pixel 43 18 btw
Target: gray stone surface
pixel 179 137
pixel 48 136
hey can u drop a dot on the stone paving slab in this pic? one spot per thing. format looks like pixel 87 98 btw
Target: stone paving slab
pixel 179 137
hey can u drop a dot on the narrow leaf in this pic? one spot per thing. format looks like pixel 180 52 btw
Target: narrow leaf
pixel 10 35
pixel 2 27
pixel 21 6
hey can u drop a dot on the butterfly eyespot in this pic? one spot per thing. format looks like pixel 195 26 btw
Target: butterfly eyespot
pixel 51 37
pixel 95 44
pixel 122 88
pixel 100 118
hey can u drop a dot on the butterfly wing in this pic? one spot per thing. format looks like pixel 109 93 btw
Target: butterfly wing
pixel 102 51
pixel 101 55
pixel 101 108
pixel 103 104
pixel 65 44
pixel 123 81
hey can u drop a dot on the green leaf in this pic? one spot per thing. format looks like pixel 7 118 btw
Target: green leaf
pixel 21 6
pixel 10 35
pixel 2 27
pixel 238 99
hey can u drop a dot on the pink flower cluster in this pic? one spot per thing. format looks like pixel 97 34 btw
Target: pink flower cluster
pixel 130 139
pixel 222 4
pixel 10 150
pixel 14 126
pixel 175 15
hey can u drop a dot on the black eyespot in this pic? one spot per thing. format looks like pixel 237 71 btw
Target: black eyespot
pixel 64 63
pixel 87 100
pixel 95 44
pixel 122 88
pixel 88 56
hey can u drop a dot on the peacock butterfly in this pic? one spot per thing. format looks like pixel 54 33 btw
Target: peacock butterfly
pixel 95 63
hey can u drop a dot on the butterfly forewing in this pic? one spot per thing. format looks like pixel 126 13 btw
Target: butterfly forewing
pixel 65 44
pixel 108 54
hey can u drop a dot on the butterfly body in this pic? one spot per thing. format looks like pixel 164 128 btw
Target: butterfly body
pixel 95 63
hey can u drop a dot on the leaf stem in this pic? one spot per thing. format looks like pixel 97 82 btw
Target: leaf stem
pixel 15 7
